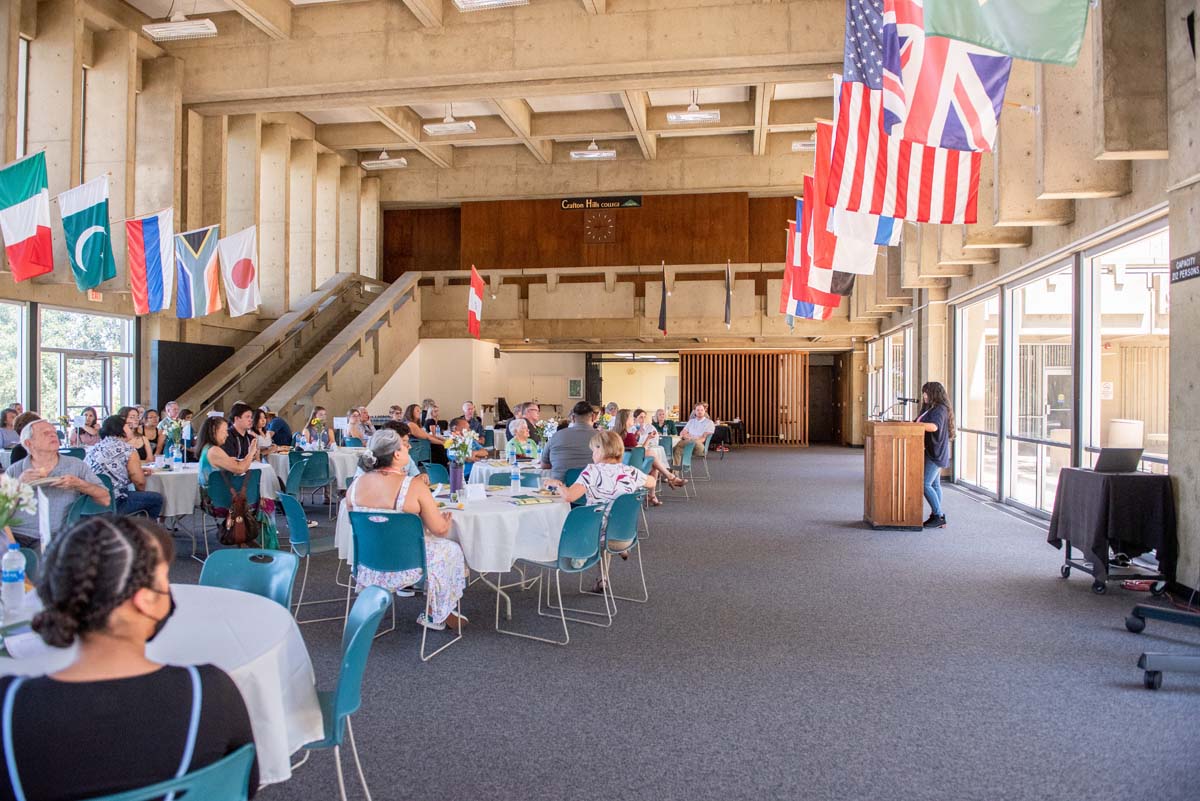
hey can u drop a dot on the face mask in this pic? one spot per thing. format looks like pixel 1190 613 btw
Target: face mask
pixel 161 622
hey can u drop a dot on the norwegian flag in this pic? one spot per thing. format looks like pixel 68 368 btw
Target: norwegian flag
pixel 475 303
pixel 938 91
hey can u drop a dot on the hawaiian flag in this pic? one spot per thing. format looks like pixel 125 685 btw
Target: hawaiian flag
pixel 151 256
pixel 938 91
pixel 475 303
pixel 199 291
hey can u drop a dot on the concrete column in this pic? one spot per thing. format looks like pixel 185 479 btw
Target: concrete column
pixel 302 184
pixel 54 118
pixel 986 234
pixel 858 395
pixel 1183 169
pixel 273 219
pixel 349 186
pixel 1016 201
pixel 952 252
pixel 10 30
pixel 368 225
pixel 933 348
pixel 158 182
pixel 1130 90
pixel 1067 120
pixel 216 172
pixel 325 217
pixel 242 145
pixel 110 133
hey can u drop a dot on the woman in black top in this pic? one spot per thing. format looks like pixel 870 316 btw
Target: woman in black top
pixel 119 720
pixel 938 419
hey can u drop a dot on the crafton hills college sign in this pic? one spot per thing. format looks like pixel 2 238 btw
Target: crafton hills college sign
pixel 623 202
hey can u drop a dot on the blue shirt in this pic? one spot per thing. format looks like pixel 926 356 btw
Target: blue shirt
pixel 280 431
pixel 937 443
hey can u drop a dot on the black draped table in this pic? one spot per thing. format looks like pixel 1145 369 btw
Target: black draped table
pixel 1131 513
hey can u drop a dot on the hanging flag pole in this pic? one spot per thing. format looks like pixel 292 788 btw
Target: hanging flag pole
pixel 662 304
pixel 728 297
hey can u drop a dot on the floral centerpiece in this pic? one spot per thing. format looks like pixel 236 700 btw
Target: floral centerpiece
pixel 459 447
pixel 546 429
pixel 64 423
pixel 605 420
pixel 318 428
pixel 15 498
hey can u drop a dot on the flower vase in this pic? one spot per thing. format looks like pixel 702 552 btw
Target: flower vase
pixel 456 476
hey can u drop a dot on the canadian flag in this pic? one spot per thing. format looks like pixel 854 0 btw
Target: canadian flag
pixel 475 303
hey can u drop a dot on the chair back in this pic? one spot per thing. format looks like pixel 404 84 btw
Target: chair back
pixel 504 479
pixel 77 452
pixel 668 444
pixel 707 439
pixel 419 450
pixel 297 521
pixel 31 564
pixel 580 539
pixel 295 477
pixel 627 457
pixel 622 525
pixel 221 496
pixel 268 573
pixel 647 465
pixel 437 474
pixel 636 455
pixel 357 637
pixel 489 438
pixel 572 475
pixel 685 455
pixel 353 442
pixel 388 541
pixel 316 467
pixel 227 779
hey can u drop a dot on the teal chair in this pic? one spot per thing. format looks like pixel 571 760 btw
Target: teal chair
pixel 305 546
pixel 392 542
pixel 346 698
pixel 352 442
pixel 489 438
pixel 227 779
pixel 504 479
pixel 31 564
pixel 683 469
pixel 84 506
pixel 220 496
pixel 578 552
pixel 314 476
pixel 77 452
pixel 569 478
pixel 419 450
pixel 622 527
pixel 704 458
pixel 268 573
pixel 436 472
pixel 668 444
pixel 647 466
pixel 636 455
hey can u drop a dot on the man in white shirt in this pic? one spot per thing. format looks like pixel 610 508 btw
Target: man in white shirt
pixel 697 428
pixel 170 414
pixel 611 410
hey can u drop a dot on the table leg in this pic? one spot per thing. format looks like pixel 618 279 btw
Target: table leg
pixel 498 587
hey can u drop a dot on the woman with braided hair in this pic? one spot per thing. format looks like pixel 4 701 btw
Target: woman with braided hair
pixel 120 720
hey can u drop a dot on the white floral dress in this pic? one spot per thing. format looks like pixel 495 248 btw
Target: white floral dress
pixel 444 558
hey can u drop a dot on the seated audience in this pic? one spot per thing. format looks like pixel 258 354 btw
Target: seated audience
pixel 396 413
pixel 647 433
pixel 432 420
pixel 133 426
pixel 106 586
pixel 213 457
pixel 8 434
pixel 627 429
pixel 171 413
pixel 240 438
pixel 116 458
pixel 364 419
pixel 309 436
pixel 519 440
pixel 569 447
pixel 605 479
pixel 354 426
pixel 88 434
pixel 697 428
pixel 155 441
pixel 280 431
pixel 437 445
pixel 401 429
pixel 459 425
pixel 473 419
pixel 611 410
pixel 531 412
pixel 23 419
pixel 660 421
pixel 386 487
pixel 266 442
pixel 74 478
pixel 17 407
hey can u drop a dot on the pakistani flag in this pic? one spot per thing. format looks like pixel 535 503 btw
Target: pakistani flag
pixel 85 223
pixel 1035 30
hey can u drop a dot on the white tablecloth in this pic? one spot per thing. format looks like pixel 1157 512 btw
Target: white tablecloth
pixel 342 462
pixel 180 487
pixel 493 533
pixel 251 638
pixel 481 471
pixel 5 458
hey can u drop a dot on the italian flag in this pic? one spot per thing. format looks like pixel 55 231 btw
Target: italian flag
pixel 25 217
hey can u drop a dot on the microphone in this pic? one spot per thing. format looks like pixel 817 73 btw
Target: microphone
pixel 907 400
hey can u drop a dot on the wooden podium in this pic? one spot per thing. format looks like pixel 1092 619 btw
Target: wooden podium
pixel 894 472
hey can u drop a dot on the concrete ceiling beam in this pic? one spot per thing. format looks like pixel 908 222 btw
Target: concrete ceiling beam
pixel 272 17
pixel 1130 89
pixel 952 253
pixel 407 125
pixel 637 109
pixel 764 94
pixel 427 12
pixel 517 114
pixel 985 233
pixel 799 115
pixel 111 15
pixel 595 6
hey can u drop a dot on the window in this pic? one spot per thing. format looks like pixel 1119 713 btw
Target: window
pixel 888 363
pixel 977 404
pixel 12 353
pixel 84 360
pixel 22 95
pixel 875 393
pixel 1128 350
pixel 1043 404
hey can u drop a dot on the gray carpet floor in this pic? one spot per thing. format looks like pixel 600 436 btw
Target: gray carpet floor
pixel 786 652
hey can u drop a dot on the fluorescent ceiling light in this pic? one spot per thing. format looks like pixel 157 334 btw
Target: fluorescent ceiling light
pixel 593 153
pixel 449 126
pixel 803 145
pixel 179 27
pixel 694 113
pixel 384 162
pixel 483 5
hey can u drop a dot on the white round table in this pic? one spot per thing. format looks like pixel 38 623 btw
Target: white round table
pixel 256 642
pixel 180 486
pixel 342 463
pixel 493 534
pixel 5 458
pixel 482 471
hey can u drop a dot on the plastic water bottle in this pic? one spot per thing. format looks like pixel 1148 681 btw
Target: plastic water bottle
pixel 516 474
pixel 177 455
pixel 12 588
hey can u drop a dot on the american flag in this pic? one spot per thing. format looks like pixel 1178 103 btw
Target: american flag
pixel 938 91
pixel 842 254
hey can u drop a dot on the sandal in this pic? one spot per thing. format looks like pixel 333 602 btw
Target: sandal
pixel 655 502
pixel 676 482
pixel 599 586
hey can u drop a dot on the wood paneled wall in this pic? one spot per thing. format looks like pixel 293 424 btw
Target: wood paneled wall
pixel 768 390
pixel 533 234
pixel 420 239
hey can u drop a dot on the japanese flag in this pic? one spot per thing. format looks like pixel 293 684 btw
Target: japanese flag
pixel 475 303
pixel 239 259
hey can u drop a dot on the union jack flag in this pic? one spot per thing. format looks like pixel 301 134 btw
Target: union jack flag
pixel 938 91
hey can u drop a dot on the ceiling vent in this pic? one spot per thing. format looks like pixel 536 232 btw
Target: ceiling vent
pixel 178 27
pixel 593 153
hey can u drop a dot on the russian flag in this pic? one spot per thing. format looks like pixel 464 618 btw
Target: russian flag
pixel 151 247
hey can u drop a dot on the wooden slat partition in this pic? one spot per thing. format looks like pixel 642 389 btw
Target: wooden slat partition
pixel 768 390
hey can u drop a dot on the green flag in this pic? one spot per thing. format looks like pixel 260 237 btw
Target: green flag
pixel 85 223
pixel 1035 30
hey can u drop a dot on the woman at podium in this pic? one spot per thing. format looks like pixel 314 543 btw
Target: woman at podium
pixel 938 419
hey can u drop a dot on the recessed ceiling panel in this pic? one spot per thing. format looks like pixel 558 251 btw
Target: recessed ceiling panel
pixel 802 91
pixel 332 116
pixel 158 9
pixel 682 97
pixel 462 110
pixel 574 103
